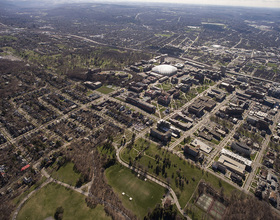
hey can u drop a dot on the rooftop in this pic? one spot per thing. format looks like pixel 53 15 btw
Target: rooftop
pixel 164 69
pixel 204 147
pixel 236 157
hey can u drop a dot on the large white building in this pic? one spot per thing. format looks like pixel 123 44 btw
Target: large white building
pixel 166 70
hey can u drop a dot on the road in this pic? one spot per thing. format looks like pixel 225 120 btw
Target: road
pixel 203 119
pixel 195 40
pixel 256 163
pixel 224 142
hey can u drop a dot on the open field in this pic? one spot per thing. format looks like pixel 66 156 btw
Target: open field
pixel 66 174
pixel 45 202
pixel 145 194
pixel 182 175
pixel 105 90
pixel 217 183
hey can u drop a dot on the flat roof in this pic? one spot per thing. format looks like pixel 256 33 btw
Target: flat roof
pixel 233 167
pixel 204 147
pixel 232 164
pixel 236 157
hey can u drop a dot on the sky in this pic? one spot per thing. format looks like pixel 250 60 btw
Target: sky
pixel 248 3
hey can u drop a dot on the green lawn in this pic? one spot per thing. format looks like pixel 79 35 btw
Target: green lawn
pixel 190 174
pixel 222 122
pixel 161 110
pixel 254 184
pixel 89 92
pixel 217 157
pixel 105 90
pixel 187 140
pixel 45 202
pixel 214 141
pixel 273 65
pixel 274 145
pixel 166 86
pixel 217 183
pixel 66 174
pixel 191 94
pixel 145 194
pixel 258 171
pixel 201 89
pixel 179 168
pixel 253 156
pixel 194 211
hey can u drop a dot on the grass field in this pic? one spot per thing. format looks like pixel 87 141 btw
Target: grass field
pixel 177 166
pixel 145 194
pixel 66 174
pixel 105 90
pixel 45 202
pixel 217 183
pixel 191 94
pixel 166 86
pixel 201 89
pixel 154 157
pixel 253 156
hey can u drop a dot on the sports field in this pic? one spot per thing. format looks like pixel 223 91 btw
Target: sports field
pixel 145 194
pixel 209 205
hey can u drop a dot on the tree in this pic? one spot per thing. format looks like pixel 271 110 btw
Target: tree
pixel 222 192
pixel 168 180
pixel 80 181
pixel 59 213
pixel 158 169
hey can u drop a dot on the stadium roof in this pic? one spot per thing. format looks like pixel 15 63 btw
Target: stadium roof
pixel 164 69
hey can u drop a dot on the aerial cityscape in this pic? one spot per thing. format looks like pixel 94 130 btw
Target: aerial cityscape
pixel 132 110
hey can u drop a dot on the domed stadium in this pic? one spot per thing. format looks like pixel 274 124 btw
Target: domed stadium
pixel 166 70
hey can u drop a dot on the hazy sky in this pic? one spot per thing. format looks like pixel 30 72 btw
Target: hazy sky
pixel 250 3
